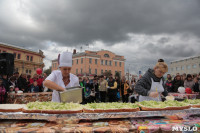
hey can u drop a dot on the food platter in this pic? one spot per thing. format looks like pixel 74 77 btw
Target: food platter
pixel 166 105
pixel 193 103
pixel 11 107
pixel 110 107
pixel 73 112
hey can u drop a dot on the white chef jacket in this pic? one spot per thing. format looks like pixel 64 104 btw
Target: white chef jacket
pixel 56 77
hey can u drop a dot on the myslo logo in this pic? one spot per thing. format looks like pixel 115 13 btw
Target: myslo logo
pixel 184 128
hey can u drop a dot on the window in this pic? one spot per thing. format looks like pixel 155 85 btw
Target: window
pixel 110 71
pixel 101 62
pixel 30 71
pixel 89 70
pixel 26 71
pixel 120 64
pixel 14 55
pixel 81 71
pixel 106 62
pixel 110 63
pixel 90 60
pixel 27 57
pixel 72 62
pixel 76 71
pixel 81 60
pixel 31 59
pixel 106 55
pixel 76 61
pixel 115 63
pixel 194 66
pixel 182 67
pixel 188 66
pixel 101 72
pixel 105 70
pixel 18 56
pixel 95 71
pixel 120 73
pixel 95 61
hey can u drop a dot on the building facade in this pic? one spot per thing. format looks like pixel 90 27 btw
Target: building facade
pixel 95 63
pixel 189 65
pixel 25 61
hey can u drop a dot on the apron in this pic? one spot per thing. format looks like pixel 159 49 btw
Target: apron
pixel 154 85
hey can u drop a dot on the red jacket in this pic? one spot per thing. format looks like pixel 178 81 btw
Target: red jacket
pixel 39 81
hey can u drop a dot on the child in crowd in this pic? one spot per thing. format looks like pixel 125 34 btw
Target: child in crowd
pixel 12 89
pixel 34 87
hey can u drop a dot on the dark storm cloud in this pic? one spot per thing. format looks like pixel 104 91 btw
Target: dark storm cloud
pixel 167 50
pixel 35 24
pixel 164 40
pixel 84 21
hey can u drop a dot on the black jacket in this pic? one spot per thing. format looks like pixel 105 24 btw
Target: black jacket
pixel 196 87
pixel 143 85
pixel 177 84
pixel 22 84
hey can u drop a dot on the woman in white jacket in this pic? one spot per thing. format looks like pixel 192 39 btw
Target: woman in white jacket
pixel 58 80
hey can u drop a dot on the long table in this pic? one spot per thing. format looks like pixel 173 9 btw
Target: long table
pixel 96 116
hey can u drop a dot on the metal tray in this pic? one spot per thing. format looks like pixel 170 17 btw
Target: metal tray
pixel 72 94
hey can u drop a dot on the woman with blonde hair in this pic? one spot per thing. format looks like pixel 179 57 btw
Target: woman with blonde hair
pixel 151 85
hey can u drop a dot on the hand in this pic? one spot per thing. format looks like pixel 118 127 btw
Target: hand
pixel 154 94
pixel 61 89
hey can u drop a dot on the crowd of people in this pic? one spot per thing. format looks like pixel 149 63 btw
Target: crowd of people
pixel 191 81
pixel 106 89
pixel 23 83
pixel 96 89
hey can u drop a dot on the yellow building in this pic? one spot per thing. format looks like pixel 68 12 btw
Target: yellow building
pixel 95 63
pixel 25 61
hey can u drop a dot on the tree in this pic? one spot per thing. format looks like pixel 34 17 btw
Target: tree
pixel 48 71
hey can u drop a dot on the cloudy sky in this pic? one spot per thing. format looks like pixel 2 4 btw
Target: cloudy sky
pixel 141 30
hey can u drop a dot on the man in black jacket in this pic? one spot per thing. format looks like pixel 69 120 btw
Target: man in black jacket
pixel 177 82
pixel 22 83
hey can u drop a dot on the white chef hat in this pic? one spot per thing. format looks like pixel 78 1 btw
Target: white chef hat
pixel 65 59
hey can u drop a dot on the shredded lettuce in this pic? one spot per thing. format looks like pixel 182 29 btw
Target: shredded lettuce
pixel 113 105
pixel 194 101
pixel 159 104
pixel 53 106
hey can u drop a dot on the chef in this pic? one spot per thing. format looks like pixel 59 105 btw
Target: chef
pixel 60 79
pixel 151 85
